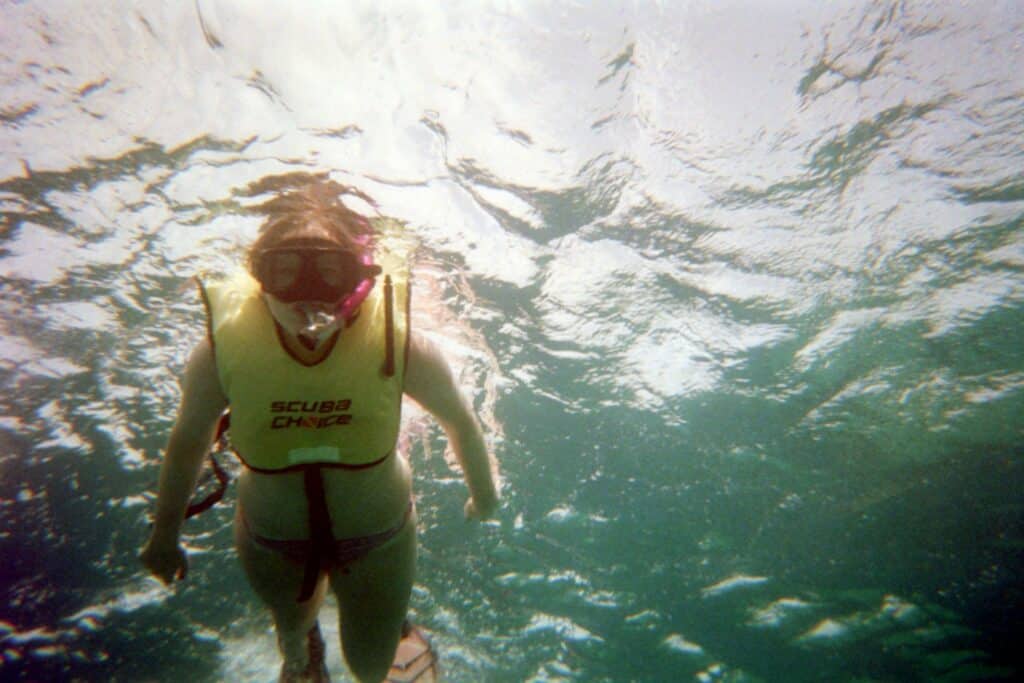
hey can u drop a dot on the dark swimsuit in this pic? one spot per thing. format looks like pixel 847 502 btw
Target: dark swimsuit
pixel 345 550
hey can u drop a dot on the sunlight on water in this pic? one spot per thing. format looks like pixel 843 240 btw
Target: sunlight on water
pixel 736 289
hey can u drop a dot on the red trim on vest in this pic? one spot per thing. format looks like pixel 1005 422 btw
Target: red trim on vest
pixel 309 364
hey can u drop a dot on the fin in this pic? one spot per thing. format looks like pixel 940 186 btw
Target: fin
pixel 415 659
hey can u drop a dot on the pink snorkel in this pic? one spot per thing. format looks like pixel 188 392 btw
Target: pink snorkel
pixel 348 306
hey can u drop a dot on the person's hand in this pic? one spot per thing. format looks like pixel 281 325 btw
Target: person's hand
pixel 165 560
pixel 481 508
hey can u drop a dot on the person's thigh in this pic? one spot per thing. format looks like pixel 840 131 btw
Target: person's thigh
pixel 373 598
pixel 277 581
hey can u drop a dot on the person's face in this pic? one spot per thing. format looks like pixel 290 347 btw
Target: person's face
pixel 304 280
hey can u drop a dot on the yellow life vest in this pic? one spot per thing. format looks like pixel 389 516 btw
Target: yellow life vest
pixel 342 411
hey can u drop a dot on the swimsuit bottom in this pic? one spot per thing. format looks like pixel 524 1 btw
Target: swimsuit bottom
pixel 345 550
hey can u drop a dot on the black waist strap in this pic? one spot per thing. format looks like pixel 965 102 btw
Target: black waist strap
pixel 320 532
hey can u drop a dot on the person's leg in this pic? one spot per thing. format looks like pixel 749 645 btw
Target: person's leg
pixel 277 581
pixel 373 598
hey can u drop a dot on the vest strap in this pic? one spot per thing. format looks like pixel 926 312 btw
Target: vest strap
pixel 320 532
pixel 215 496
pixel 389 327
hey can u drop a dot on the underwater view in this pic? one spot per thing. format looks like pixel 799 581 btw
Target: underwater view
pixel 736 289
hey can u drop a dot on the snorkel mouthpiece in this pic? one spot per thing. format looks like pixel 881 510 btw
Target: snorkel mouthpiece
pixel 319 319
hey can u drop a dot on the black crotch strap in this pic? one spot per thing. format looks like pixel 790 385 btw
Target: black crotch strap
pixel 320 534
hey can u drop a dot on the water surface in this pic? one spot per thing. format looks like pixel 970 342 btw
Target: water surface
pixel 737 287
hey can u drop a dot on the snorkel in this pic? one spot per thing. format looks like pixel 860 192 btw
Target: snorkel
pixel 322 318
pixel 347 307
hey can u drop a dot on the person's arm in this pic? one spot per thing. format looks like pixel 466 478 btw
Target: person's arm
pixel 202 403
pixel 429 382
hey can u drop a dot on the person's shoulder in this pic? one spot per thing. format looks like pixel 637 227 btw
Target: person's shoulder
pixel 423 350
pixel 202 359
pixel 428 377
pixel 200 379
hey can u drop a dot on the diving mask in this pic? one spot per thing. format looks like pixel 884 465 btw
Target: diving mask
pixel 318 278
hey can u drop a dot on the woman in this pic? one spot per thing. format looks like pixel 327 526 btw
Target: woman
pixel 312 353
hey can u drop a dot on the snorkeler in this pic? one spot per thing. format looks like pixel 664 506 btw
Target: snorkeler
pixel 312 353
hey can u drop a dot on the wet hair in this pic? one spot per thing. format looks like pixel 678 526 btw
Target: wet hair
pixel 308 206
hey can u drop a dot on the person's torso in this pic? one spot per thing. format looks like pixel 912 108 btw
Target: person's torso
pixel 360 502
pixel 342 411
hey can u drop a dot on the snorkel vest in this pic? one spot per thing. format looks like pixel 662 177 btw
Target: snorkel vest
pixel 342 411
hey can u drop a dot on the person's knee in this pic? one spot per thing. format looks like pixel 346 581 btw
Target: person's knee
pixel 368 669
pixel 369 658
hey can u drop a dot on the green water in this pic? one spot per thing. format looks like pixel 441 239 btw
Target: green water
pixel 737 289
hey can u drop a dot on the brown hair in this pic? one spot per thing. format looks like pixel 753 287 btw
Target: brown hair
pixel 308 206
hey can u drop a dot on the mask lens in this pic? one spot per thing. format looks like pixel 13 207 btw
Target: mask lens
pixel 308 273
pixel 334 268
pixel 281 270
